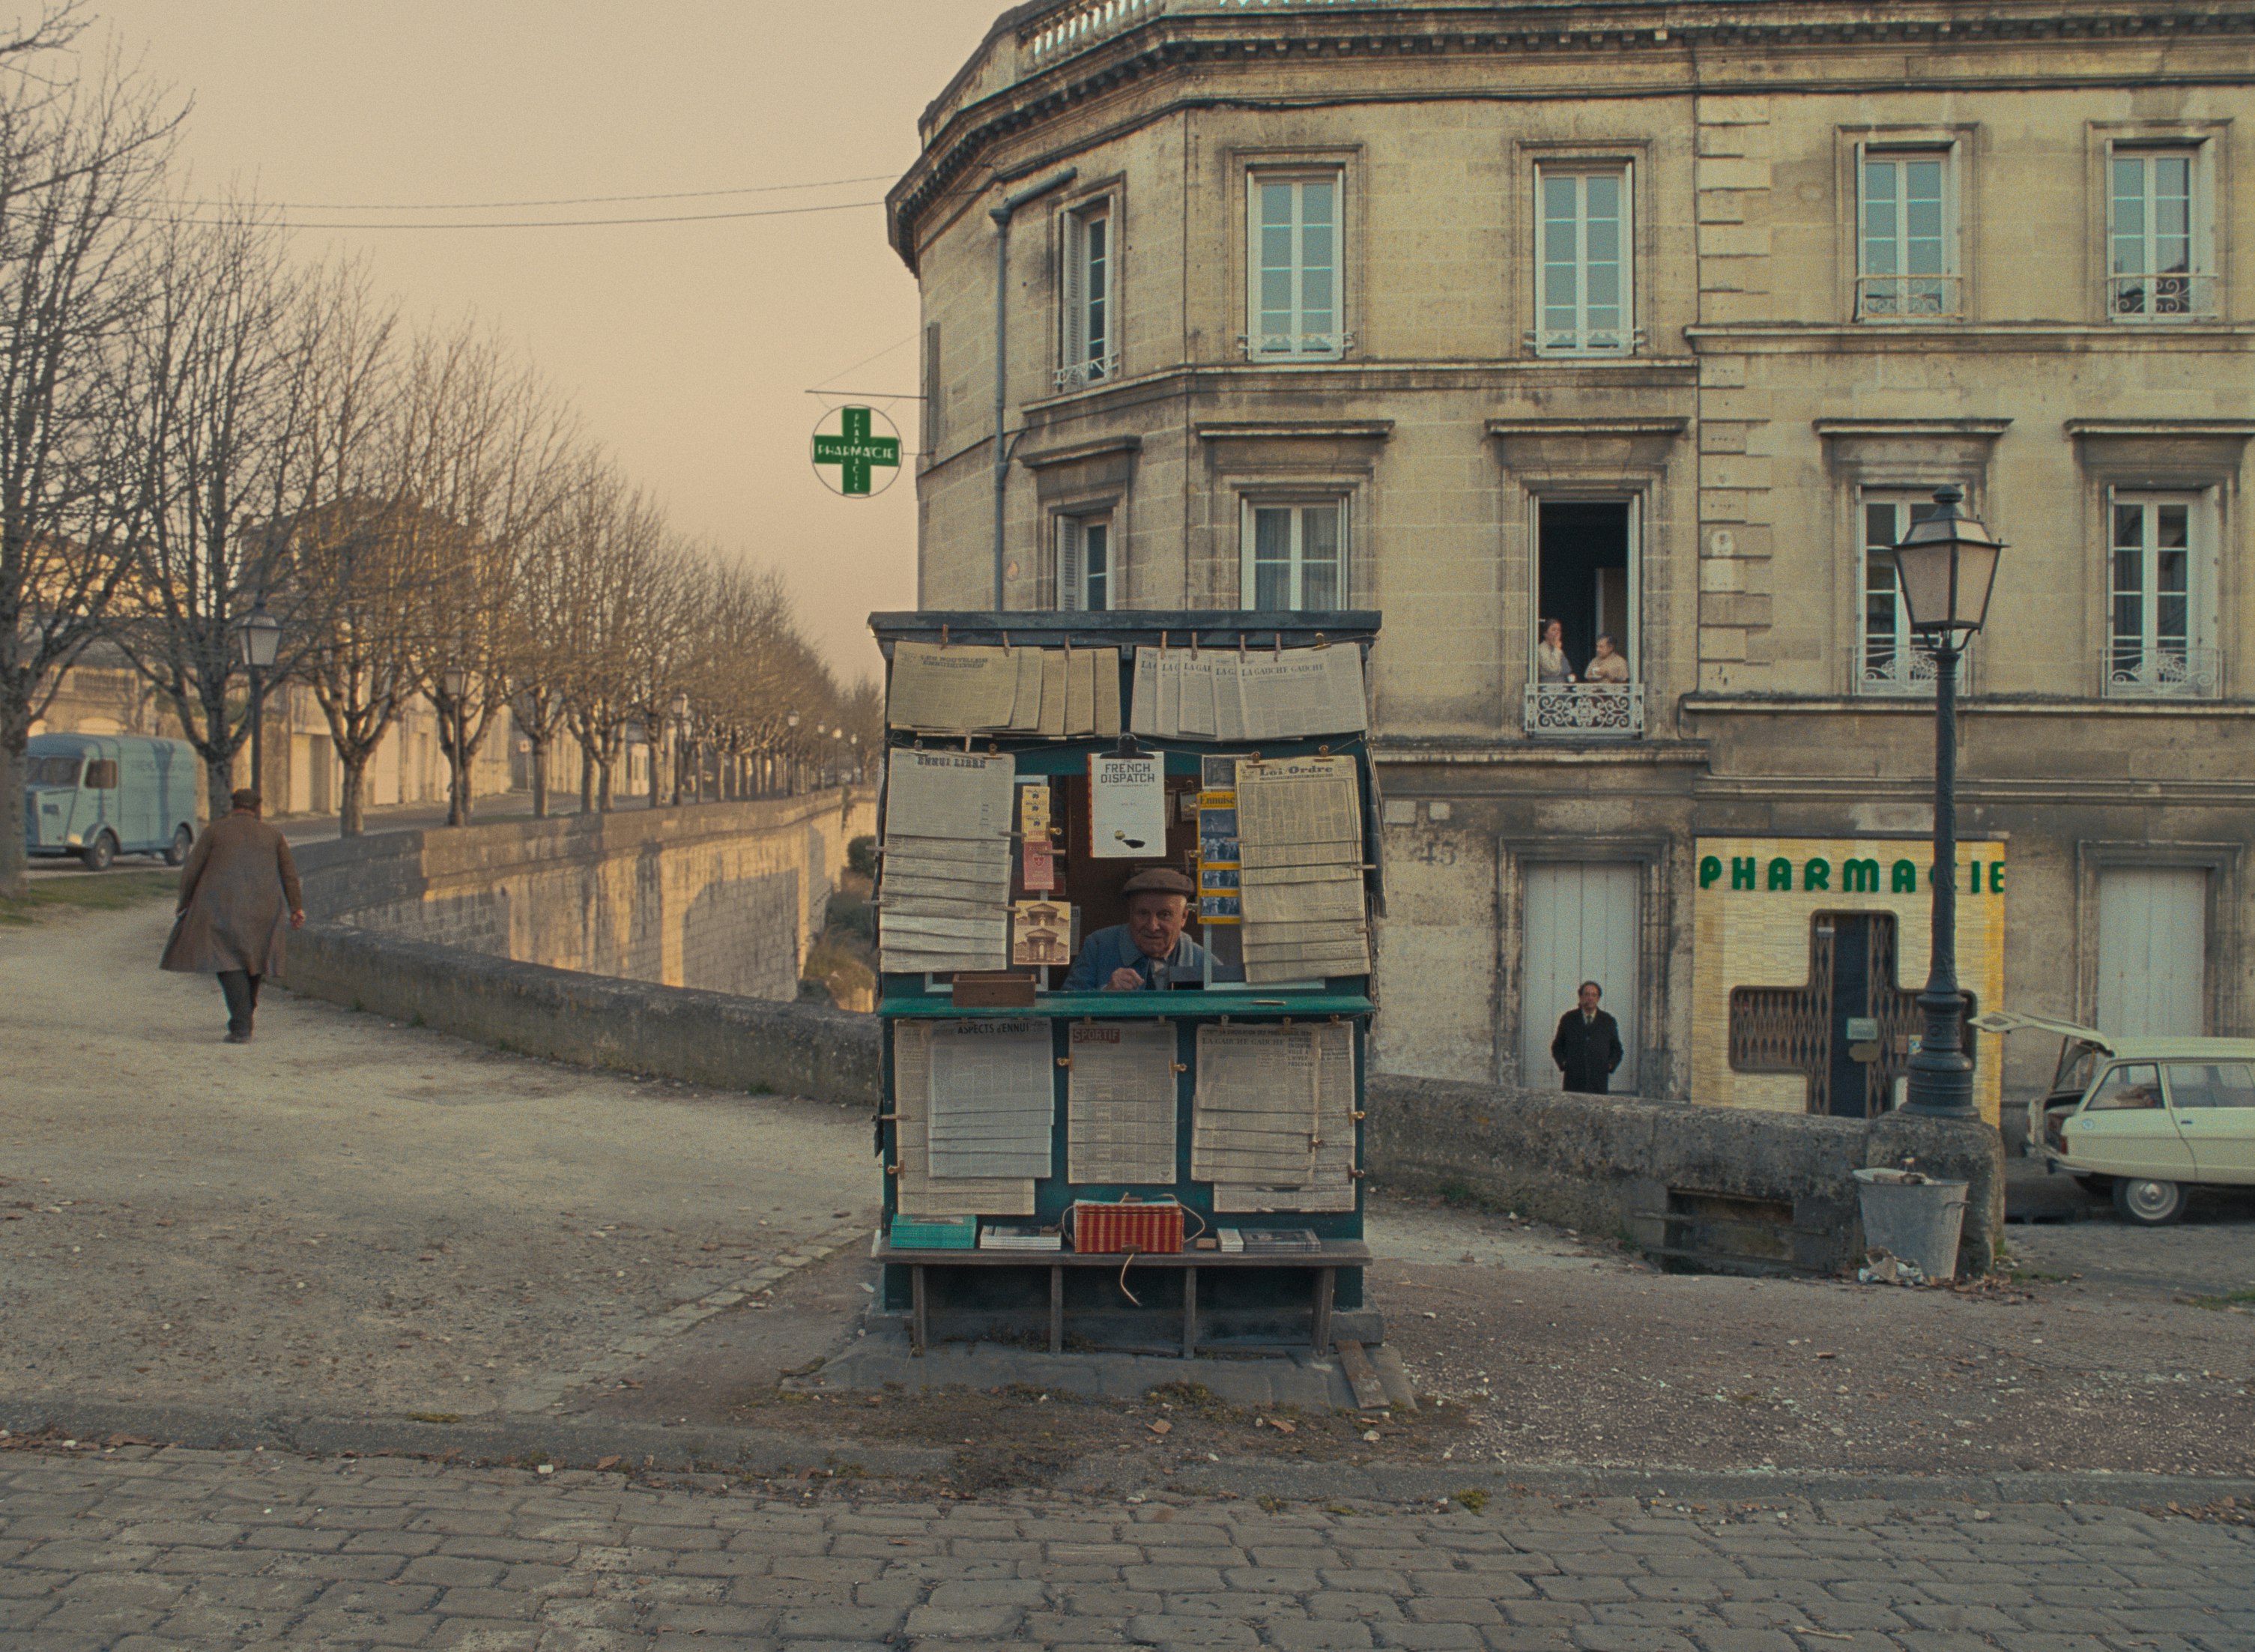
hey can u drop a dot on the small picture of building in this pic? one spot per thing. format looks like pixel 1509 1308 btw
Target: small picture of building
pixel 1041 933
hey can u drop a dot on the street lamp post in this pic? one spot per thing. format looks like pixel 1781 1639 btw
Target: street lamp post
pixel 257 638
pixel 455 681
pixel 791 745
pixel 1945 567
pixel 680 743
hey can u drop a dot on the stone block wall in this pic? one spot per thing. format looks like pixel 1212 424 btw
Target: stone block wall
pixel 725 897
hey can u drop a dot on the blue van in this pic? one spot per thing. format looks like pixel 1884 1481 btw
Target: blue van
pixel 101 796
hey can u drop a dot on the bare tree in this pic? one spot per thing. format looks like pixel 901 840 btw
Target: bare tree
pixel 486 453
pixel 617 535
pixel 355 541
pixel 81 163
pixel 228 350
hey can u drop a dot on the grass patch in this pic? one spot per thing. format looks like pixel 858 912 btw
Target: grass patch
pixel 434 1417
pixel 2228 1299
pixel 1473 1499
pixel 110 892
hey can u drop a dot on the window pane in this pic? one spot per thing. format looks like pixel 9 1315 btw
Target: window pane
pixel 1316 202
pixel 1096 544
pixel 1275 203
pixel 2200 1085
pixel 1271 558
pixel 2137 1086
pixel 2173 526
pixel 1319 558
pixel 2129 524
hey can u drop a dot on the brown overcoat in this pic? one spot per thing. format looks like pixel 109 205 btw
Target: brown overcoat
pixel 237 891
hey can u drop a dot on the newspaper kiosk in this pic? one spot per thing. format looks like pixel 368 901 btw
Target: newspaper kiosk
pixel 1177 1166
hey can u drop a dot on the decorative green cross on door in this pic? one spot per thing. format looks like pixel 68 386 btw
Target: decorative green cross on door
pixel 855 450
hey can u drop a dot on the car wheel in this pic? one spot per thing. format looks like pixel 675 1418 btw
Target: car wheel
pixel 99 854
pixel 177 850
pixel 2147 1203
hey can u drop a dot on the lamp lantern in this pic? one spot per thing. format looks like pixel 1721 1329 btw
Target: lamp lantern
pixel 1947 567
pixel 257 636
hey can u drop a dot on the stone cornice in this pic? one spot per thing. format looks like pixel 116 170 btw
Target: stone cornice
pixel 1850 429
pixel 1072 453
pixel 2084 429
pixel 1382 31
pixel 1596 425
pixel 1291 429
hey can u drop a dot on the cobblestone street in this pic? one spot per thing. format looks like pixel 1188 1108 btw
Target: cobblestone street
pixel 139 1549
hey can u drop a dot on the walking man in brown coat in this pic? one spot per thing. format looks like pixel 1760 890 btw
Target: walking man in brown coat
pixel 239 901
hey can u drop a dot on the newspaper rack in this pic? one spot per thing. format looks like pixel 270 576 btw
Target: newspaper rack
pixel 1238 1093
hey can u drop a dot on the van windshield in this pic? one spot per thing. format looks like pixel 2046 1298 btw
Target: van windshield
pixel 51 771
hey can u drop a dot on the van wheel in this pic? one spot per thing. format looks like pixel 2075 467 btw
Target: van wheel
pixel 99 854
pixel 2149 1204
pixel 177 850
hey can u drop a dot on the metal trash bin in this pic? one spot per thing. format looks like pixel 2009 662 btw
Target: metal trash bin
pixel 1913 1218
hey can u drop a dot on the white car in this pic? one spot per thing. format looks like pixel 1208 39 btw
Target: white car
pixel 2143 1119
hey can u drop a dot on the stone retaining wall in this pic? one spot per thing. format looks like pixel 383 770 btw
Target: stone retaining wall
pixel 723 896
pixel 1767 1186
pixel 712 1038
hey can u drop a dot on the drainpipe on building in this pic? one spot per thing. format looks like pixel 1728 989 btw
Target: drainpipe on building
pixel 1001 215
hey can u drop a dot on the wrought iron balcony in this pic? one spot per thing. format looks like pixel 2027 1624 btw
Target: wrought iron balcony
pixel 1910 297
pixel 1097 370
pixel 2134 671
pixel 1585 711
pixel 1295 347
pixel 2167 295
pixel 1884 668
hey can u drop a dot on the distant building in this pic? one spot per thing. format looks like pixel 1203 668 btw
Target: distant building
pixel 1659 322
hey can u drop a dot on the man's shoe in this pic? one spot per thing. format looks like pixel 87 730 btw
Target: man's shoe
pixel 234 1037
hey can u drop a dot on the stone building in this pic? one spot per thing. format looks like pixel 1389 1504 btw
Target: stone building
pixel 1656 319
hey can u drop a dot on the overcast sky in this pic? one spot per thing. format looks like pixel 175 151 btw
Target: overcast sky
pixel 688 346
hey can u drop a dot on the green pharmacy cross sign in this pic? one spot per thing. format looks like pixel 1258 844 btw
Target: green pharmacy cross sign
pixel 857 449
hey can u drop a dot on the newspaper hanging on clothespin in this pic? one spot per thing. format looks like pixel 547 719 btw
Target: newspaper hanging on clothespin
pixel 1128 809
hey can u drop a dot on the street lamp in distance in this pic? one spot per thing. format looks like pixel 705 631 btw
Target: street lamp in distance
pixel 680 710
pixel 1946 567
pixel 257 640
pixel 454 682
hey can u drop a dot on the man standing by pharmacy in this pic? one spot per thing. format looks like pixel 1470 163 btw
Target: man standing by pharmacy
pixel 1588 1046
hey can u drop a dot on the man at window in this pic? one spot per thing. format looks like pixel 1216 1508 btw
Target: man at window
pixel 1149 952
pixel 1608 665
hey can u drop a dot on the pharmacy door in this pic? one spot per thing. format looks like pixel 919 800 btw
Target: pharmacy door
pixel 2152 951
pixel 1582 922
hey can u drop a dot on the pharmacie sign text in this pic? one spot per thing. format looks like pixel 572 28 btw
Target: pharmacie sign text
pixel 1853 874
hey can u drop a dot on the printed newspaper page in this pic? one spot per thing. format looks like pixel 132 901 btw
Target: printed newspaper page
pixel 918 1194
pixel 993 1098
pixel 1120 1102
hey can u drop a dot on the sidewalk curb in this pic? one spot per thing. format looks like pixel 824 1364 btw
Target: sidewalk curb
pixel 580 1443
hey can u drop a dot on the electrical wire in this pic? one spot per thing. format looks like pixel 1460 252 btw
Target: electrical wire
pixel 546 201
pixel 558 223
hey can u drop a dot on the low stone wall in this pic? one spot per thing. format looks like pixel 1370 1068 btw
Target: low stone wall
pixel 723 896
pixel 716 1039
pixel 1660 1173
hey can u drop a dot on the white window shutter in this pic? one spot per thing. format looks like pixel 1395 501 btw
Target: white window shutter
pixel 1069 590
pixel 1075 313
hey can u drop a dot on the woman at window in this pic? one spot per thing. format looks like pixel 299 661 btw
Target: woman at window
pixel 1610 664
pixel 1550 664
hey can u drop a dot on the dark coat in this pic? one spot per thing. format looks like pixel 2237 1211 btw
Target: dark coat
pixel 237 891
pixel 1587 1053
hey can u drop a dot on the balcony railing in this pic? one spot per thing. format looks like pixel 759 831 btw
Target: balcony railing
pixel 1910 297
pixel 2134 671
pixel 1073 28
pixel 1097 370
pixel 1881 668
pixel 1295 347
pixel 1585 711
pixel 1611 341
pixel 2168 295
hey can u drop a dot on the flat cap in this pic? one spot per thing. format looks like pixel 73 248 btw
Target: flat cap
pixel 1158 880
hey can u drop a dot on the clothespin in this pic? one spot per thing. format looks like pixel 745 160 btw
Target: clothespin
pixel 943 634
pixel 1194 641
pixel 1006 642
pixel 1163 645
pixel 1241 645
pixel 1277 638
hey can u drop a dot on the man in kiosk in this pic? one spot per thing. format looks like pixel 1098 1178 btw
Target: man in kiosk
pixel 1149 952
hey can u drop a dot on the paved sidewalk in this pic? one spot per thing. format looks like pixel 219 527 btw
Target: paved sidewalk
pixel 139 1549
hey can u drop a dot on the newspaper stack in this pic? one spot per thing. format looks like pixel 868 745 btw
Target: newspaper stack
pixel 1221 695
pixel 920 1193
pixel 938 688
pixel 1299 835
pixel 1273 1120
pixel 944 902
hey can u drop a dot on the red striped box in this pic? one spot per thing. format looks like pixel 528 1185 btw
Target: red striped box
pixel 1153 1229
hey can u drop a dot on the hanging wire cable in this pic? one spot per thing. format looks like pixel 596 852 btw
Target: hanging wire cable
pixel 547 200
pixel 557 223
